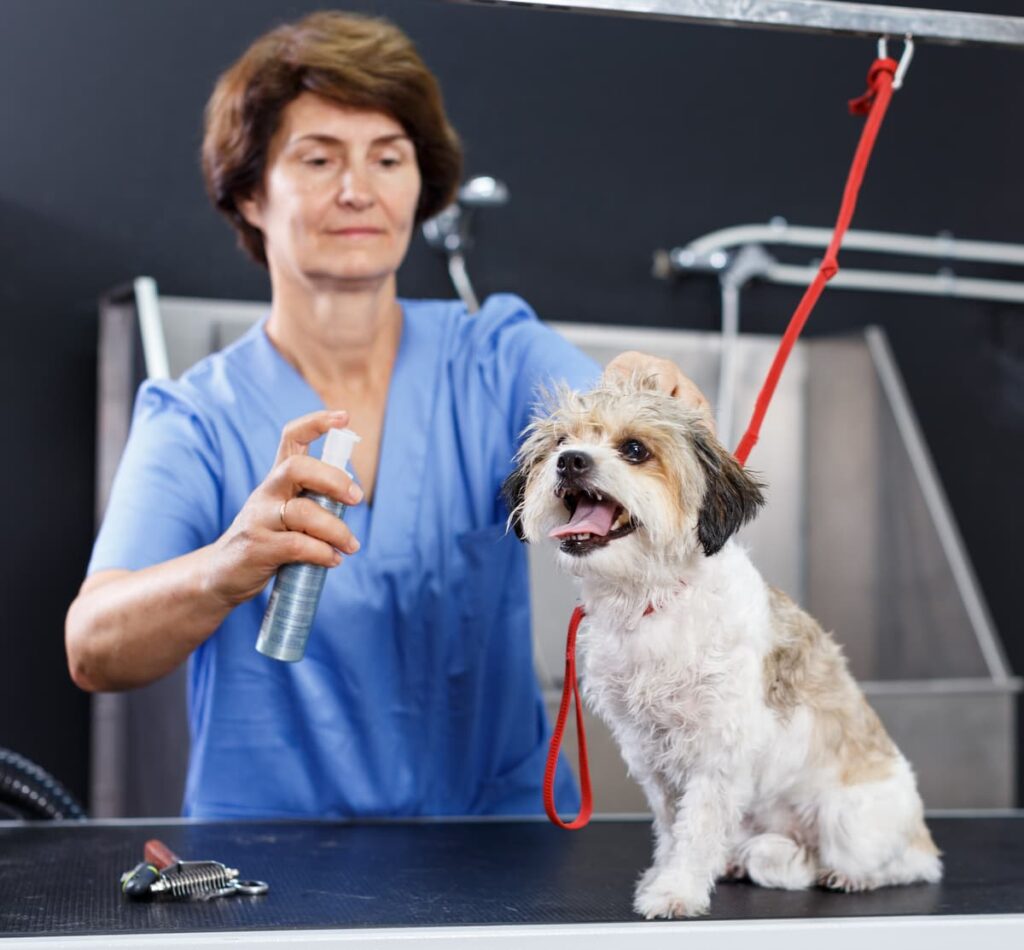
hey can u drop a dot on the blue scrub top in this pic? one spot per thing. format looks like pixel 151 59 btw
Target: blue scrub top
pixel 417 695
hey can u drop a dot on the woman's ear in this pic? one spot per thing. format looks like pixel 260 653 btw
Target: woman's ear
pixel 514 493
pixel 251 208
pixel 732 495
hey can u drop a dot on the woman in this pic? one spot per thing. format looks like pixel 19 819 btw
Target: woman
pixel 326 143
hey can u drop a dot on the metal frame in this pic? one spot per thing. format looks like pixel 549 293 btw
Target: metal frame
pixel 807 16
pixel 737 254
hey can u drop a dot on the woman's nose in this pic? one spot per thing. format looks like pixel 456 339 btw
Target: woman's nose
pixel 355 190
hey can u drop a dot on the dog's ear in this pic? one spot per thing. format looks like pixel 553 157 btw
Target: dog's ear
pixel 731 498
pixel 513 491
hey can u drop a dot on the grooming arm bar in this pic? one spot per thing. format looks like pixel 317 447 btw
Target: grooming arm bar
pixel 716 252
pixel 808 16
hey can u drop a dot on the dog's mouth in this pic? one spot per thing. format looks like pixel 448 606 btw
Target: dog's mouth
pixel 595 519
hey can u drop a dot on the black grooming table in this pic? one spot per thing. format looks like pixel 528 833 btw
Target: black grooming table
pixel 61 879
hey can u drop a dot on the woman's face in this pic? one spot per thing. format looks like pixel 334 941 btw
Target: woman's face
pixel 339 195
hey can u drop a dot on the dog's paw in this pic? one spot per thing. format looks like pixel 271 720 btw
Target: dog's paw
pixel 835 881
pixel 734 871
pixel 665 894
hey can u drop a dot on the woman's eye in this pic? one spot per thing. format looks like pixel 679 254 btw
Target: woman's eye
pixel 390 161
pixel 633 451
pixel 316 161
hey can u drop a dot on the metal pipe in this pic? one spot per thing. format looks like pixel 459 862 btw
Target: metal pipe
pixel 154 346
pixel 930 285
pixel 780 232
pixel 808 16
pixel 715 252
pixel 727 365
pixel 751 261
pixel 460 278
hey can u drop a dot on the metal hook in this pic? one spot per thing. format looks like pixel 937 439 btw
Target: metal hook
pixel 904 63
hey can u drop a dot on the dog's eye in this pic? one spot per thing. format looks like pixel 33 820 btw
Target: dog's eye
pixel 633 451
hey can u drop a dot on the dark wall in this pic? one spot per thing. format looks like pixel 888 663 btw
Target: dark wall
pixel 615 137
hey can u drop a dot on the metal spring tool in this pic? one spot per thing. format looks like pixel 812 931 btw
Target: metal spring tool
pixel 164 874
pixel 203 880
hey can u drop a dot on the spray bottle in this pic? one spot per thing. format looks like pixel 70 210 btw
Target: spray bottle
pixel 296 593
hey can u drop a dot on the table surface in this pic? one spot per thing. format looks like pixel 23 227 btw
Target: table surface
pixel 62 878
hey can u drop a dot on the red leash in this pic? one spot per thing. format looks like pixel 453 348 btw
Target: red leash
pixel 569 691
pixel 873 104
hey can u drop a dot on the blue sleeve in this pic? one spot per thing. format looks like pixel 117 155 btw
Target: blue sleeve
pixel 165 499
pixel 522 357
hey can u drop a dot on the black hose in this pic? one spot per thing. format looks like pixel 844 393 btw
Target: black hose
pixel 29 791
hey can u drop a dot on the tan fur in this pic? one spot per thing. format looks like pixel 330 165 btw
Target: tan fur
pixel 922 840
pixel 807 668
pixel 601 417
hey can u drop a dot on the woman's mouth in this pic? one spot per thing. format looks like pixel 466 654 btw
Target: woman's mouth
pixel 355 232
pixel 595 519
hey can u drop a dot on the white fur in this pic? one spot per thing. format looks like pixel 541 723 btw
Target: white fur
pixel 732 784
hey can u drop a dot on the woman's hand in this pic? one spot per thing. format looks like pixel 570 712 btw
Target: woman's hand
pixel 275 526
pixel 670 379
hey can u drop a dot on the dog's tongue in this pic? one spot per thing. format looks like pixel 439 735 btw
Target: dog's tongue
pixel 591 517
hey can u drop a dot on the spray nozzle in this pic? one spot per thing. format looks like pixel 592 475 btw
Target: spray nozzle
pixel 338 447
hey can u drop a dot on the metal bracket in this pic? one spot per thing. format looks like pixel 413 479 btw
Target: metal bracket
pixel 904 63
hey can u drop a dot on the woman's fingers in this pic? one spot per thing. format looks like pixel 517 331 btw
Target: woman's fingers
pixel 301 473
pixel 305 516
pixel 295 547
pixel 667 376
pixel 277 527
pixel 299 433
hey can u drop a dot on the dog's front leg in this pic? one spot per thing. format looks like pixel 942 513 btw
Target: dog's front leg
pixel 663 810
pixel 680 884
pixel 656 791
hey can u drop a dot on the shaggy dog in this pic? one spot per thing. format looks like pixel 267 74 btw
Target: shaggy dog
pixel 732 708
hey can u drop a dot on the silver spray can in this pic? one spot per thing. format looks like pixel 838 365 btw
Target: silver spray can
pixel 293 601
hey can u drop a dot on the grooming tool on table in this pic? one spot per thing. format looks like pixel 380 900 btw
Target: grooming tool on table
pixel 163 873
pixel 137 882
pixel 158 854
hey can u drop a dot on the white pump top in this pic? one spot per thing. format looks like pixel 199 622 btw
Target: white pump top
pixel 338 448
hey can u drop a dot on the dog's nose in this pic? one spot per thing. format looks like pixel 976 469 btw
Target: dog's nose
pixel 572 464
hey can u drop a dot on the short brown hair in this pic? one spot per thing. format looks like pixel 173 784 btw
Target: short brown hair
pixel 357 61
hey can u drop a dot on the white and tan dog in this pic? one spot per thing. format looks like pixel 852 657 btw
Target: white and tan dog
pixel 732 708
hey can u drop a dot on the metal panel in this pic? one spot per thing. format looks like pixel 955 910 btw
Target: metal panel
pixel 961 740
pixel 193 328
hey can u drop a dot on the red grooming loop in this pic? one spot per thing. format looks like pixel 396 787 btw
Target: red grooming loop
pixel 569 691
pixel 873 104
